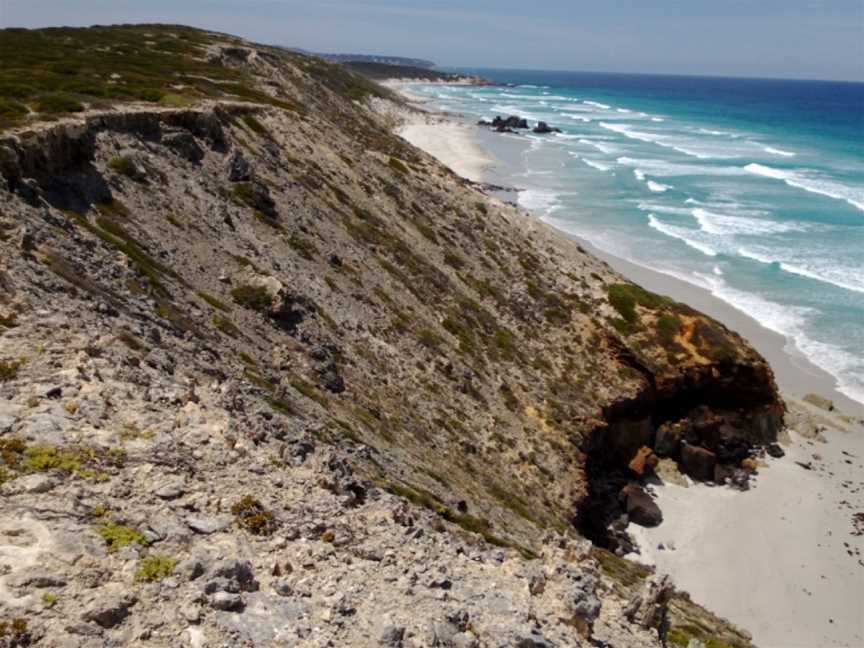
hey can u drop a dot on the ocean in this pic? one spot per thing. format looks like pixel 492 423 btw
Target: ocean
pixel 752 189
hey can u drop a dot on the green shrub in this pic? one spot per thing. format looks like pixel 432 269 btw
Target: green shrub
pixel 123 165
pixel 625 297
pixel 58 104
pixel 214 301
pixel 155 568
pixel 429 338
pixel 256 298
pixel 117 536
pixel 668 327
pixel 255 125
pixel 171 100
pixel 226 326
pixel 398 166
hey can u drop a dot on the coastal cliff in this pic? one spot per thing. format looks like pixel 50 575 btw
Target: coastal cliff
pixel 270 375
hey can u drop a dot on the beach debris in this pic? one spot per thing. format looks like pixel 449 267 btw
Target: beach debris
pixel 805 465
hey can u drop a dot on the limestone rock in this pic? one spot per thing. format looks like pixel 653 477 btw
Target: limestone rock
pixel 207 524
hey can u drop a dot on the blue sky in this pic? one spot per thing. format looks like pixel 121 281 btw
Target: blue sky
pixel 771 38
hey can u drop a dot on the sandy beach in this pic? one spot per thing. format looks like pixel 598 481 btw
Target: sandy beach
pixel 783 560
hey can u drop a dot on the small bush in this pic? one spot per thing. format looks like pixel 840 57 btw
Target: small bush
pixel 304 247
pixel 155 568
pixel 14 632
pixel 170 100
pixel 58 104
pixel 9 370
pixel 429 338
pixel 253 517
pixel 117 536
pixel 454 260
pixel 668 327
pixel 123 165
pixel 625 297
pixel 226 326
pixel 255 298
pixel 8 321
pixel 309 392
pixel 398 166
pixel 214 302
pixel 255 126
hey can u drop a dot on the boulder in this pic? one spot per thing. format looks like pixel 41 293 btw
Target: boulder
pixel 226 601
pixel 697 462
pixel 109 610
pixel 239 169
pixel 392 636
pixel 644 460
pixel 774 450
pixel 668 439
pixel 640 506
pixel 207 524
pixel 542 128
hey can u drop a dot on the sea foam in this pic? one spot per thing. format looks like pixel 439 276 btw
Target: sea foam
pixel 724 225
pixel 657 187
pixel 845 278
pixel 690 237
pixel 804 179
pixel 776 151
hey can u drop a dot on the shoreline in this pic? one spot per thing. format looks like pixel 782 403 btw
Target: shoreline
pixel 489 157
pixel 782 560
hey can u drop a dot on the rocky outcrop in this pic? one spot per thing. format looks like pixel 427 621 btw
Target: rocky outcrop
pixel 542 128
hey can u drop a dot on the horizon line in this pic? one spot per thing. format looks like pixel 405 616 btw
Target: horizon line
pixel 670 74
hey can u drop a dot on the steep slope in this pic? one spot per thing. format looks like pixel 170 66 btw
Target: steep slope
pixel 241 321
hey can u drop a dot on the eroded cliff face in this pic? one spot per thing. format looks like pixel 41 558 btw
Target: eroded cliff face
pixel 297 321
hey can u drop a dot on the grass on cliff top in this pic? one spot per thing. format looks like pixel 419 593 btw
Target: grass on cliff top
pixel 48 73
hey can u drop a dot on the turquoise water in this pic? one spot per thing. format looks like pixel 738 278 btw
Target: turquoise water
pixel 751 189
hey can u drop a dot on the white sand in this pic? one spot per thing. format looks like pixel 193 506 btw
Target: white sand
pixel 453 144
pixel 773 560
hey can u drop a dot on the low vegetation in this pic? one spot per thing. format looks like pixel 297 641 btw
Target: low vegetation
pixel 48 73
pixel 155 568
pixel 117 536
pixel 82 462
pixel 9 370
pixel 251 515
pixel 255 298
